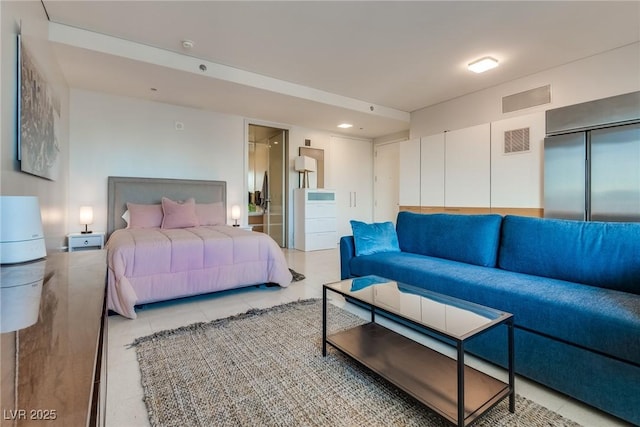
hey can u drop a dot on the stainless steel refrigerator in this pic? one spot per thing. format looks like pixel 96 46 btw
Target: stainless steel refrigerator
pixel 592 160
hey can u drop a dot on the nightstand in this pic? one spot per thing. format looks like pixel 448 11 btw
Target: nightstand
pixel 84 242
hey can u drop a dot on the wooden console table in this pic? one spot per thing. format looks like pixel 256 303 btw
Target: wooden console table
pixel 53 372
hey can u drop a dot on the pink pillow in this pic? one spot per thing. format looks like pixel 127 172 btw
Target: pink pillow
pixel 211 213
pixel 179 214
pixel 144 216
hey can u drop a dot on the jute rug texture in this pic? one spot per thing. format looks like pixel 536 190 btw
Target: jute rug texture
pixel 265 368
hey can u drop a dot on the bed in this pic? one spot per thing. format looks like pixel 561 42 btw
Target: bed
pixel 168 239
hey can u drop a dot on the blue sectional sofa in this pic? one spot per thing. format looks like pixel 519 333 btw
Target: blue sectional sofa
pixel 573 287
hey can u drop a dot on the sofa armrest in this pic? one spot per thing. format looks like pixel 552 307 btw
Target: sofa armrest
pixel 347 252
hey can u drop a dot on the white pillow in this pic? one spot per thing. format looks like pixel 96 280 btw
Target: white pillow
pixel 125 216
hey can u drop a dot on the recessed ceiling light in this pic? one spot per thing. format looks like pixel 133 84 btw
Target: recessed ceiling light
pixel 345 125
pixel 187 44
pixel 483 64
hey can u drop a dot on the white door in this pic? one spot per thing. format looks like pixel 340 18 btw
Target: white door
pixel 386 182
pixel 351 168
pixel 467 167
pixel 409 172
pixel 517 176
pixel 274 218
pixel 432 170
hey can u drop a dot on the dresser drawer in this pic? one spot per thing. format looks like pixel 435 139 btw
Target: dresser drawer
pixel 319 225
pixel 318 241
pixel 79 242
pixel 320 210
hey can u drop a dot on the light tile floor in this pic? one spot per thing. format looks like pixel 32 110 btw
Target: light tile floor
pixel 125 407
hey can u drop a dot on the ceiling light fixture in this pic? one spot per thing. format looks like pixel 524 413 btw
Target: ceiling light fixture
pixel 187 44
pixel 345 125
pixel 483 64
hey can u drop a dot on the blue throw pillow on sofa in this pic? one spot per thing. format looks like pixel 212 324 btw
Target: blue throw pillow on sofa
pixel 472 239
pixel 374 238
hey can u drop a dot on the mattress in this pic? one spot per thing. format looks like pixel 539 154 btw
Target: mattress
pixel 153 264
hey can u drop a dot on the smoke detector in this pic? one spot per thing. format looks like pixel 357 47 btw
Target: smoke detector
pixel 187 44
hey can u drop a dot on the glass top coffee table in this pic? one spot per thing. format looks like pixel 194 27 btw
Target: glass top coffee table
pixel 457 392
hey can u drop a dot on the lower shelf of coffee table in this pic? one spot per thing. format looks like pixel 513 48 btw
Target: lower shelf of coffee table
pixel 425 374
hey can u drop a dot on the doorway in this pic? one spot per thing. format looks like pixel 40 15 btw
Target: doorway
pixel 267 181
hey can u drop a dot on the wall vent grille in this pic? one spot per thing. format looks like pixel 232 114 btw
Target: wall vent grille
pixel 527 99
pixel 516 141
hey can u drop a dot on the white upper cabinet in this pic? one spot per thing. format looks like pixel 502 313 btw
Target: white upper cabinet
pixel 468 167
pixel 492 165
pixel 409 191
pixel 351 163
pixel 517 152
pixel 432 170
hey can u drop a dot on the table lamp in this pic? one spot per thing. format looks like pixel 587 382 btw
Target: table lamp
pixel 235 214
pixel 305 164
pixel 86 218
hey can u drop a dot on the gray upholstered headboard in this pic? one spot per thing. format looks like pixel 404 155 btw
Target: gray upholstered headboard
pixel 151 190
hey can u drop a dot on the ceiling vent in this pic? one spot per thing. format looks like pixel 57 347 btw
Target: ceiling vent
pixel 516 141
pixel 527 99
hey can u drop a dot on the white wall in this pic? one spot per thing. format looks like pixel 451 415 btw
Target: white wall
pixel 51 194
pixel 118 136
pixel 600 76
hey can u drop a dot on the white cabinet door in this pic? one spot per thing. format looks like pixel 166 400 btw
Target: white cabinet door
pixel 468 167
pixel 432 170
pixel 386 182
pixel 409 185
pixel 352 178
pixel 516 169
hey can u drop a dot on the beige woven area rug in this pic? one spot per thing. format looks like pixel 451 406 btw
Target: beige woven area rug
pixel 265 368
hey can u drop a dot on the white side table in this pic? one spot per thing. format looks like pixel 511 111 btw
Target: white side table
pixel 84 242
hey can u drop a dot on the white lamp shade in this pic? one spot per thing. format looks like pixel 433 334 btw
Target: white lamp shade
pixel 21 234
pixel 305 164
pixel 86 215
pixel 235 212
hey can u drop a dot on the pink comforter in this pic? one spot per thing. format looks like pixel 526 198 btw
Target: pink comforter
pixel 148 265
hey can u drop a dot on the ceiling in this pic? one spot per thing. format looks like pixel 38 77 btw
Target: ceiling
pixel 318 64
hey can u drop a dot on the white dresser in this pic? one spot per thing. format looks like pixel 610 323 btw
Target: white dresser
pixel 315 219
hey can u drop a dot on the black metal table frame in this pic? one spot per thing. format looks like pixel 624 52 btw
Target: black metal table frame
pixel 508 321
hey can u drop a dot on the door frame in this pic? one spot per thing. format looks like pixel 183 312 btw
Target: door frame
pixel 245 182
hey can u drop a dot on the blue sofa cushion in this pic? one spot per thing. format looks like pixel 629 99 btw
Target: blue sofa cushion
pixel 374 238
pixel 602 254
pixel 472 239
pixel 596 318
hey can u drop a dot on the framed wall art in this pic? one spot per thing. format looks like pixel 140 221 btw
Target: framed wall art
pixel 38 119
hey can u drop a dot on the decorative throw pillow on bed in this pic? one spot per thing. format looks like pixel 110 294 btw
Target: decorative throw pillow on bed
pixel 211 213
pixel 374 238
pixel 127 218
pixel 179 214
pixel 144 216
